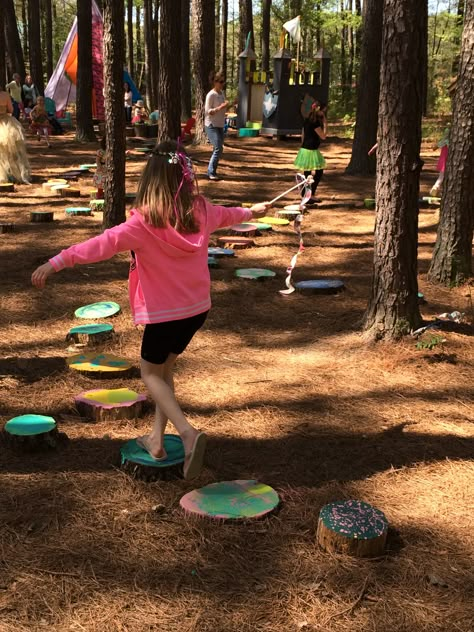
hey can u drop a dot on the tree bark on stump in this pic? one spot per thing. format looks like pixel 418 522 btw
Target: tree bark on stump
pixel 41 217
pixel 95 412
pixel 35 443
pixel 7 228
pixel 452 257
pixel 393 306
pixel 333 542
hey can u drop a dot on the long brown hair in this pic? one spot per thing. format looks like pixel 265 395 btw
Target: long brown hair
pixel 166 191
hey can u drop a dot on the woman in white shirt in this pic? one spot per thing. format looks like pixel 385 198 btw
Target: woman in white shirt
pixel 214 120
pixel 127 102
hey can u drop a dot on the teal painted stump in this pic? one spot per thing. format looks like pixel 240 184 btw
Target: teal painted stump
pixel 352 527
pixel 101 309
pixel 90 334
pixel 138 463
pixel 32 432
pixel 231 500
pixel 254 273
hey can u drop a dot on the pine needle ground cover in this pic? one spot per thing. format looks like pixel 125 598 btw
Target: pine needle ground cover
pixel 289 395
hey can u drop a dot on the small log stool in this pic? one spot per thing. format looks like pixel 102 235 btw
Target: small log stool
pixel 7 187
pixel 352 527
pixel 32 432
pixel 97 205
pixel 70 192
pixel 41 217
pixel 78 210
pixel 235 243
pixel 6 228
pixel 110 404
pixel 138 463
pixel 92 334
pixel 102 365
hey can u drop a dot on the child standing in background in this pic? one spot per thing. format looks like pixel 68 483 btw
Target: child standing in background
pixel 309 158
pixel 140 112
pixel 441 166
pixel 169 283
pixel 40 121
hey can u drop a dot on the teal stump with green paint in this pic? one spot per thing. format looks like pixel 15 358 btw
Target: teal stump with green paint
pixel 138 463
pixel 32 432
pixel 353 527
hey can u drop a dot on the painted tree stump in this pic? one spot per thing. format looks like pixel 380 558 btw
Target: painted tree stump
pixel 235 243
pixel 78 211
pixel 93 194
pixel 262 227
pixel 274 221
pixel 92 334
pixel 231 500
pixel 32 432
pixel 212 262
pixel 290 211
pixel 7 187
pixel 87 167
pixel 214 251
pixel 101 309
pixel 250 230
pixel 7 227
pixel 369 204
pixel 60 189
pixel 70 192
pixel 254 273
pixel 110 404
pixel 106 365
pixel 73 174
pixel 41 217
pixel 352 527
pixel 138 463
pixel 320 286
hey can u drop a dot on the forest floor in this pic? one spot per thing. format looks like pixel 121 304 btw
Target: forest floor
pixel 288 393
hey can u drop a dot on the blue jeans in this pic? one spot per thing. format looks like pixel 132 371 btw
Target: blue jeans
pixel 16 109
pixel 216 138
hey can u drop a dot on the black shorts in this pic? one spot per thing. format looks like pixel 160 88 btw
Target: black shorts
pixel 161 339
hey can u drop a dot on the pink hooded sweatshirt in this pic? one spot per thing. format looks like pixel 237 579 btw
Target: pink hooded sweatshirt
pixel 169 278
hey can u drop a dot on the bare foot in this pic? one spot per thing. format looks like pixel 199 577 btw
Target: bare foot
pixel 155 451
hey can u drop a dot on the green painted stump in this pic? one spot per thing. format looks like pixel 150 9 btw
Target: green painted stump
pixel 32 432
pixel 139 464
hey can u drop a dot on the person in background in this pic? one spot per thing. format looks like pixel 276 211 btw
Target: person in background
pixel 443 145
pixel 309 158
pixel 14 164
pixel 14 90
pixel 140 112
pixel 169 284
pixel 127 102
pixel 30 93
pixel 40 120
pixel 214 121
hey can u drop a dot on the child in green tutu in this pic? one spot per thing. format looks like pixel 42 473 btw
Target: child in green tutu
pixel 309 159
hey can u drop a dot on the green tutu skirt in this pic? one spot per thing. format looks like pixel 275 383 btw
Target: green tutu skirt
pixel 309 159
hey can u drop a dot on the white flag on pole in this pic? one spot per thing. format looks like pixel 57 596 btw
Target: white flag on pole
pixel 294 28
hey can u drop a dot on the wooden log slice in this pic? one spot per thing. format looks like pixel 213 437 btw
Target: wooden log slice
pixel 214 251
pixel 97 205
pixel 247 229
pixel 235 243
pixel 32 433
pixel 78 210
pixel 352 527
pixel 41 217
pixel 71 192
pixel 102 365
pixel 60 189
pixel 7 187
pixel 91 335
pixel 320 286
pixel 7 228
pixel 139 464
pixel 110 404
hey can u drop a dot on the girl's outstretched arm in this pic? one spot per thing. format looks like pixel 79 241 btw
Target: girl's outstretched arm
pixel 124 237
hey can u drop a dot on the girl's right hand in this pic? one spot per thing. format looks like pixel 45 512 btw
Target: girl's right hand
pixel 41 274
pixel 260 210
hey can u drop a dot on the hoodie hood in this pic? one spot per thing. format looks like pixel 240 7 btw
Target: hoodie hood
pixel 175 244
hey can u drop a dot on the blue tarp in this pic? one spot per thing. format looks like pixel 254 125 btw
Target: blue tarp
pixel 127 79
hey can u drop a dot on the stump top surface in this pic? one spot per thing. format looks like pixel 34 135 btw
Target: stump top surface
pixel 215 251
pixel 110 398
pixel 245 227
pixel 354 519
pixel 102 309
pixel 30 424
pixel 133 453
pixel 290 209
pixel 320 284
pixel 90 166
pixel 98 362
pixel 92 328
pixel 211 261
pixel 261 226
pixel 277 221
pixel 231 500
pixel 254 273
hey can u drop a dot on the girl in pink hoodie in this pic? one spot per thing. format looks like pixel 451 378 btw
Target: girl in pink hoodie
pixel 169 283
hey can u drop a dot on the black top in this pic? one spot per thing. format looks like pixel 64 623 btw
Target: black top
pixel 311 139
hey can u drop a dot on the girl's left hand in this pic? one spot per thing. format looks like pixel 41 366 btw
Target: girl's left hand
pixel 40 275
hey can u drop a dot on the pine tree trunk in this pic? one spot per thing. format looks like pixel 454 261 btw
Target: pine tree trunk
pixel 84 124
pixel 342 39
pixel 186 108
pixel 138 31
pixel 393 307
pixel 148 37
pixel 15 59
pixel 358 36
pixel 246 24
pixel 169 88
pixel 3 65
pixel 114 59
pixel 49 37
pixel 217 26
pixel 350 65
pixel 368 89
pixel 318 25
pixel 34 40
pixel 203 58
pixel 131 64
pixel 452 257
pixel 266 34
pixel 155 51
pixel 25 31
